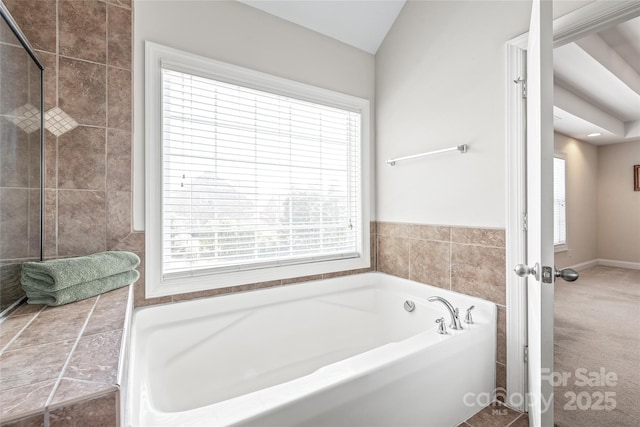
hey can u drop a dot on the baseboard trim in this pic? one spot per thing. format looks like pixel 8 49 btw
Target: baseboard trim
pixel 619 264
pixel 584 265
pixel 607 263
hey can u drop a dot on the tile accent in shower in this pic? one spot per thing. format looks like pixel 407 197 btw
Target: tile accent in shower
pixel 26 117
pixel 58 122
pixel 86 48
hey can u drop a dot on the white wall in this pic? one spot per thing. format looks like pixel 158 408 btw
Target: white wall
pixel 440 82
pixel 582 201
pixel 618 204
pixel 232 32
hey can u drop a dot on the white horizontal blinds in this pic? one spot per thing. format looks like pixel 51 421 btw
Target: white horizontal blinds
pixel 559 202
pixel 253 178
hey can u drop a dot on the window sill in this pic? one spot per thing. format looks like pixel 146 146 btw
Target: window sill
pixel 164 287
pixel 560 248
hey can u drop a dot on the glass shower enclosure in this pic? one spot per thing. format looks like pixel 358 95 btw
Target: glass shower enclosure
pixel 21 159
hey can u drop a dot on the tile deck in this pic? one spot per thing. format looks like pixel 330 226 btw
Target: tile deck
pixel 57 359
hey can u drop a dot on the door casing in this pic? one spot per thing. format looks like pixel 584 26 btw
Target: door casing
pixel 568 28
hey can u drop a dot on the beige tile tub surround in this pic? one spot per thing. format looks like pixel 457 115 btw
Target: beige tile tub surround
pixel 463 259
pixel 62 365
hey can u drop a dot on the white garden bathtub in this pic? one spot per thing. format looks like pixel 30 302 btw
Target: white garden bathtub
pixel 337 352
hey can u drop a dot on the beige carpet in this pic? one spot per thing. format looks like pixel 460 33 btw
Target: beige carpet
pixel 597 325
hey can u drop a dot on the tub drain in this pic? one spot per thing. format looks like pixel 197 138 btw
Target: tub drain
pixel 409 306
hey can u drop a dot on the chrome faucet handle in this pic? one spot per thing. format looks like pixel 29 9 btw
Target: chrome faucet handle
pixel 468 319
pixel 442 329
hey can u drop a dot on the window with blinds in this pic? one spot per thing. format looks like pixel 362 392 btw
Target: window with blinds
pixel 252 179
pixel 559 202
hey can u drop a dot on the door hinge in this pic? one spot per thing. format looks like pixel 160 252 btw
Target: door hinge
pixel 524 85
pixel 524 221
pixel 526 354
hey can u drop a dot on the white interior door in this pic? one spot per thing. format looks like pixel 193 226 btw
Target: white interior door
pixel 540 212
pixel 530 314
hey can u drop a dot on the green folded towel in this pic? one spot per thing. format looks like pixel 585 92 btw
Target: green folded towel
pixel 59 274
pixel 81 291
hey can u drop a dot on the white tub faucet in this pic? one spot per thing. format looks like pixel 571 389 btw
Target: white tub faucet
pixel 455 319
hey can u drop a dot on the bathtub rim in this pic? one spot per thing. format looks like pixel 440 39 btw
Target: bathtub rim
pixel 297 286
pixel 337 372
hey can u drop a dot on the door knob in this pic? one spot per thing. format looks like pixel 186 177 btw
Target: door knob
pixel 523 270
pixel 567 274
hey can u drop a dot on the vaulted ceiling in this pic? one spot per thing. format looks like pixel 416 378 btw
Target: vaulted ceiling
pixel 597 78
pixel 359 23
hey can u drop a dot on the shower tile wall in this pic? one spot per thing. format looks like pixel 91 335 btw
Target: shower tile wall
pixel 85 47
pixel 466 260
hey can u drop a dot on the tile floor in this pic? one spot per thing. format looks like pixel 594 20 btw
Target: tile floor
pixel 497 415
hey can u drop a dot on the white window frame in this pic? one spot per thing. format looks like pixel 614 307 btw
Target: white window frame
pixel 157 56
pixel 563 247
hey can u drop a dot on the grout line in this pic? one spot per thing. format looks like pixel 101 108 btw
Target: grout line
pixel 9 187
pixel 56 217
pixel 425 240
pixel 106 71
pixel 73 349
pixel 57 52
pixel 57 140
pixel 21 330
pixel 481 245
pixel 106 180
pixel 85 381
pixel 409 260
pixel 85 125
pixel 86 190
pixel 450 259
pixel 88 61
pixel 106 132
pixel 516 419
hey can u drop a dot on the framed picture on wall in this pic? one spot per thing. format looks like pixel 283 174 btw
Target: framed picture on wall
pixel 636 177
